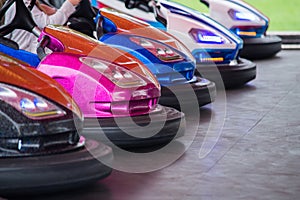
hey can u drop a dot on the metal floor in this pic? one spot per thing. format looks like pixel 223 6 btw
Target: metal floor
pixel 256 155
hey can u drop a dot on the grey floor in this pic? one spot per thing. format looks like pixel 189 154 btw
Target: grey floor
pixel 252 147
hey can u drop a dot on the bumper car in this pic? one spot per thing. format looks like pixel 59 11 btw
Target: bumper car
pixel 248 23
pixel 167 58
pixel 214 47
pixel 112 88
pixel 41 149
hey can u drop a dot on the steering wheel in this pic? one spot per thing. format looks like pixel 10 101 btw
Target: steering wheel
pixel 24 21
pixel 205 2
pixel 82 19
pixel 140 4
pixel 31 4
pixel 84 9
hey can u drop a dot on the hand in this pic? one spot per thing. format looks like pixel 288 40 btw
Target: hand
pixel 74 2
pixel 47 9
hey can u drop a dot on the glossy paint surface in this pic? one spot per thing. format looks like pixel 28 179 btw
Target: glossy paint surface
pixel 67 40
pixel 134 26
pixel 180 21
pixel 96 95
pixel 16 73
pixel 219 10
pixel 144 41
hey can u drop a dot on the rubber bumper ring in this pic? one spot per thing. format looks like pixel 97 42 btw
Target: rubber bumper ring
pixel 229 76
pixel 57 172
pixel 204 94
pixel 108 131
pixel 261 48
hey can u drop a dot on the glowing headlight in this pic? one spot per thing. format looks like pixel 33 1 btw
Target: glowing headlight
pixel 161 51
pixel 205 36
pixel 118 75
pixel 40 103
pixel 30 104
pixel 243 16
pixel 27 105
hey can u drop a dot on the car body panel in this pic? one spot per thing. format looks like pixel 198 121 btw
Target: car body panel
pixel 92 89
pixel 257 22
pixel 15 72
pixel 174 14
pixel 67 40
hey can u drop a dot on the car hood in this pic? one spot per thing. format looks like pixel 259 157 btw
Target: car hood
pixel 71 41
pixel 130 25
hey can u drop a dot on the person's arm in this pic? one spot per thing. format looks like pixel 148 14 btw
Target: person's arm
pixel 47 9
pixel 59 17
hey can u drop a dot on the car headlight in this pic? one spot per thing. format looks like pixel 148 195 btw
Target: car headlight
pixel 161 51
pixel 243 16
pixel 31 105
pixel 205 36
pixel 118 75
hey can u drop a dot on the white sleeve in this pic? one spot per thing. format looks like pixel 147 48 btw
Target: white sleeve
pixel 60 17
pixel 9 15
pixel 28 41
